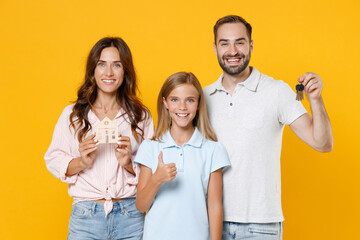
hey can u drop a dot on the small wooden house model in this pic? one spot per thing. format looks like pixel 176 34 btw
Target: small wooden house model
pixel 107 131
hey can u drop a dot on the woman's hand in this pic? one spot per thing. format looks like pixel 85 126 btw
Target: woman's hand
pixel 123 152
pixel 164 172
pixel 87 149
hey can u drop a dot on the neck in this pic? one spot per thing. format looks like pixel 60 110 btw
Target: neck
pixel 106 101
pixel 230 81
pixel 182 135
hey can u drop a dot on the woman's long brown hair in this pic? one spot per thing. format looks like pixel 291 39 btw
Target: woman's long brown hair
pixel 126 93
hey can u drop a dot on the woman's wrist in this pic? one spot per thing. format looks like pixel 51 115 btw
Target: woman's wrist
pixel 129 167
pixel 75 166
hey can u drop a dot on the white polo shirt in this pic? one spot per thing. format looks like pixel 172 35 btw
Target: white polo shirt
pixel 250 124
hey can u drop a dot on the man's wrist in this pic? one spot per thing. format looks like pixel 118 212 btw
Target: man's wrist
pixel 316 103
pixel 316 99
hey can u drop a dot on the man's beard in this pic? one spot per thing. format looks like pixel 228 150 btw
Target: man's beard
pixel 235 70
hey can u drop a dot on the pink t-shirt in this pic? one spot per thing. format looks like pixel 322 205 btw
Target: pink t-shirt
pixel 106 179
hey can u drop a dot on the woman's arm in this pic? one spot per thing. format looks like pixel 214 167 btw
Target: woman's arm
pixel 61 158
pixel 87 149
pixel 214 204
pixel 123 153
pixel 149 183
pixel 148 126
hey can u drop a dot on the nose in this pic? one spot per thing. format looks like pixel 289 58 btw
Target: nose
pixel 182 105
pixel 232 49
pixel 109 71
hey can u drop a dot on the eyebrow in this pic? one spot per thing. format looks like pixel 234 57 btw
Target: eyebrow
pixel 236 40
pixel 117 61
pixel 188 97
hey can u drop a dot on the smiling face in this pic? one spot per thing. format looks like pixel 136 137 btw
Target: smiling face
pixel 182 104
pixel 233 48
pixel 109 73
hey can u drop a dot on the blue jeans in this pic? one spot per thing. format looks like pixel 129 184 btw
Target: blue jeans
pixel 88 221
pixel 252 231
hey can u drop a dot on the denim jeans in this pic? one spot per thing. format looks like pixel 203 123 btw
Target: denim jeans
pixel 252 231
pixel 88 221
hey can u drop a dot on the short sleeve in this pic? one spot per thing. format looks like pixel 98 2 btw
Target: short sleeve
pixel 289 109
pixel 145 154
pixel 59 154
pixel 220 158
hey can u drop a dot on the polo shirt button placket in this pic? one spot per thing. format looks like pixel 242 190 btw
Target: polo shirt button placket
pixel 181 163
pixel 231 106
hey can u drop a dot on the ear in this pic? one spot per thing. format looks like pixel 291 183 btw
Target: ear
pixel 165 103
pixel 215 50
pixel 252 46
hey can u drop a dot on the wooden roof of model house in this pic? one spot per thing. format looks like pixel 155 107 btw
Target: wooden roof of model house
pixel 107 131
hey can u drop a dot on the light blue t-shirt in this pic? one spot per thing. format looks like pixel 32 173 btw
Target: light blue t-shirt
pixel 179 209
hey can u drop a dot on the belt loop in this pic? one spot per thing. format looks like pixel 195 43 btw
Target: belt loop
pixel 93 207
pixel 121 206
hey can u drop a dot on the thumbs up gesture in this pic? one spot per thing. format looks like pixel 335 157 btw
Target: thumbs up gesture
pixel 164 172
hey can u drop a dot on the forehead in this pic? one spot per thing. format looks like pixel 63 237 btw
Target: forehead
pixel 232 31
pixel 110 53
pixel 185 89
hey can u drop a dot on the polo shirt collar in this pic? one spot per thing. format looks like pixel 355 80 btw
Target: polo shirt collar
pixel 195 140
pixel 217 86
pixel 250 83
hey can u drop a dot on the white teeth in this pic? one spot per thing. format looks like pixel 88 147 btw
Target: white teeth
pixel 233 60
pixel 108 81
pixel 182 114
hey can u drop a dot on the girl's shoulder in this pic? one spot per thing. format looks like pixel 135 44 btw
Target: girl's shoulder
pixel 147 151
pixel 148 143
pixel 212 146
pixel 209 142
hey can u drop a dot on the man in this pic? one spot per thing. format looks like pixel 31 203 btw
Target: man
pixel 248 111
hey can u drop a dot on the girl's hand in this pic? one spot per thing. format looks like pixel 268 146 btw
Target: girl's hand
pixel 164 172
pixel 87 149
pixel 123 151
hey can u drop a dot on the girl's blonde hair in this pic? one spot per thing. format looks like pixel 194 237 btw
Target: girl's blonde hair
pixel 201 120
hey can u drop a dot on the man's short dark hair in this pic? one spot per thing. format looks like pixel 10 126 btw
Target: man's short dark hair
pixel 232 19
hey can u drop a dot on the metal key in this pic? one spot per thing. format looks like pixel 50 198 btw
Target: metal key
pixel 299 92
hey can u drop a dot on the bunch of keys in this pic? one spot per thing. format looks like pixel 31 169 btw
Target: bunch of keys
pixel 299 92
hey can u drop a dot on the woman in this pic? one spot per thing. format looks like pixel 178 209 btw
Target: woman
pixel 102 178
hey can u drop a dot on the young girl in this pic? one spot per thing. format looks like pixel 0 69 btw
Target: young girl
pixel 181 168
pixel 102 178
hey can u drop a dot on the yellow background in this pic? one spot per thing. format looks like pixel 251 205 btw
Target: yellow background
pixel 43 47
